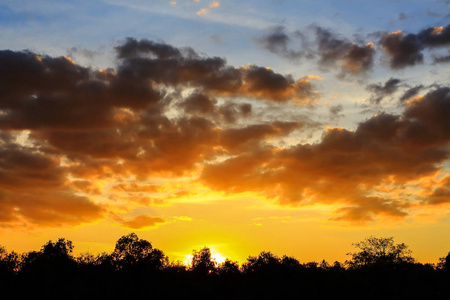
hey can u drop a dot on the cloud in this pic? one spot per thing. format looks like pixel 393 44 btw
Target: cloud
pixel 198 103
pixel 186 68
pixel 142 221
pixel 277 41
pixel 335 111
pixel 202 11
pixel 212 5
pixel 171 112
pixel 380 91
pixel 330 50
pixel 234 139
pixel 82 125
pixel 135 188
pixel 441 194
pixel 348 167
pixel 411 92
pixel 34 190
pixel 336 51
pixel 406 49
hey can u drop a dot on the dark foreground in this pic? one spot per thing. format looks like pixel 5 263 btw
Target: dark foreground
pixel 136 270
pixel 405 282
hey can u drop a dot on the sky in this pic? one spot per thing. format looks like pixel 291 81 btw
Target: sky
pixel 296 127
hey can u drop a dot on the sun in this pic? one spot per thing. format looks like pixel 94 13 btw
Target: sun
pixel 219 258
pixel 215 255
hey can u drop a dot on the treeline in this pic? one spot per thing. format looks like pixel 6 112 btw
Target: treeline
pixel 378 269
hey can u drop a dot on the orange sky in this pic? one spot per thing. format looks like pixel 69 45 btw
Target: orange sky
pixel 317 141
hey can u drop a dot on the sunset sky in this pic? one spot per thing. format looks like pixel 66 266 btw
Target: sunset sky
pixel 297 127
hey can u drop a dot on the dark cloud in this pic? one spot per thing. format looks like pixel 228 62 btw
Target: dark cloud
pixel 435 36
pixel 133 48
pixel 34 189
pixel 348 167
pixel 81 125
pixel 334 50
pixel 277 41
pixel 199 103
pixel 170 66
pixel 166 111
pixel 263 83
pixel 330 49
pixel 411 92
pixel 382 90
pixel 231 112
pixel 433 111
pixel 406 49
pixel 244 137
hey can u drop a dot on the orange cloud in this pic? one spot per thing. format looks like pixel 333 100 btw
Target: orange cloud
pixel 142 221
pixel 346 167
pixel 214 4
pixel 140 126
pixel 202 11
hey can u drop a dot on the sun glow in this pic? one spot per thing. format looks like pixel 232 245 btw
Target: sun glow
pixel 215 256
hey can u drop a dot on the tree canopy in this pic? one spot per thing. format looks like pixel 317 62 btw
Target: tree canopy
pixel 383 250
pixel 135 269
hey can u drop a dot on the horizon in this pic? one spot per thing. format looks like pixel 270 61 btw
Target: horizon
pixel 218 259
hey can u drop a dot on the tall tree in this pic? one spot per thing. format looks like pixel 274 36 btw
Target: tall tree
pixel 202 261
pixel 374 250
pixel 130 250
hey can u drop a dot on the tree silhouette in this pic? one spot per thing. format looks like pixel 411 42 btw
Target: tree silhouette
pixel 131 251
pixel 444 263
pixel 228 267
pixel 202 262
pixel 53 257
pixel 382 250
pixel 265 261
pixel 379 269
pixel 9 262
pixel 62 248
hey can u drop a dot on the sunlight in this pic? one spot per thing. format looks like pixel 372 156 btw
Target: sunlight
pixel 216 256
pixel 219 258
pixel 187 260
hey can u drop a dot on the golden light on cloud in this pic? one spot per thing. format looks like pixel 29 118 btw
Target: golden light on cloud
pixel 214 4
pixel 69 59
pixel 202 11
pixel 141 221
pixel 438 30
pixel 316 77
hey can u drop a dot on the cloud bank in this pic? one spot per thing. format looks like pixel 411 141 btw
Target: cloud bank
pixel 171 112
